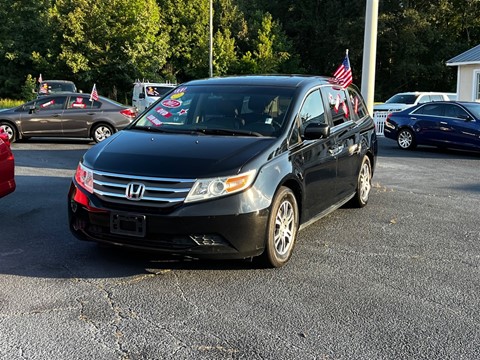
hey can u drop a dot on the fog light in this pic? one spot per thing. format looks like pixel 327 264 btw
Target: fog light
pixel 73 206
pixel 207 240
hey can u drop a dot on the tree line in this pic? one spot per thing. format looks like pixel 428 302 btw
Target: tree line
pixel 114 42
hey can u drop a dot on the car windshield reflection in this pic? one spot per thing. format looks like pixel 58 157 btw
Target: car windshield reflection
pixel 229 111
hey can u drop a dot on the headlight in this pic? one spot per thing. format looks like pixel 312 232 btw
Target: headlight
pixel 204 189
pixel 84 177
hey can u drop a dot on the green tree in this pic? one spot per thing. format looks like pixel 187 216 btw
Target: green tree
pixel 187 23
pixel 28 88
pixel 110 43
pixel 24 31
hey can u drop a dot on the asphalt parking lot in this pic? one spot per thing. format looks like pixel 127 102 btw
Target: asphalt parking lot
pixel 398 279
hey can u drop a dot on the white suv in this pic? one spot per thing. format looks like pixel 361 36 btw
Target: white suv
pixel 404 100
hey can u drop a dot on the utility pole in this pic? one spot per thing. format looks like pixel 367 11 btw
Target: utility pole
pixel 370 53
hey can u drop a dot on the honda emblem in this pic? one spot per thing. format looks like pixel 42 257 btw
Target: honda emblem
pixel 135 191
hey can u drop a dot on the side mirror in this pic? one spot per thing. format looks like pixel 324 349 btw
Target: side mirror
pixel 141 96
pixel 31 109
pixel 316 131
pixel 465 117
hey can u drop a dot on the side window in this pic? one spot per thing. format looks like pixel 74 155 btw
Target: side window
pixel 358 104
pixel 423 99
pixel 436 97
pixel 337 103
pixel 82 102
pixel 431 109
pixel 53 103
pixel 454 111
pixel 312 110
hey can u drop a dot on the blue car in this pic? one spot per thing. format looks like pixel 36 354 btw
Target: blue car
pixel 446 124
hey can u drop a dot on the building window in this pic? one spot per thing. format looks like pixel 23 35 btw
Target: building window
pixel 477 86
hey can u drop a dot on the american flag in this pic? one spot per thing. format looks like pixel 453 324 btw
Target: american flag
pixel 343 75
pixel 94 93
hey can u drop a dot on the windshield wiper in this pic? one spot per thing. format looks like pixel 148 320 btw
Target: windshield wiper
pixel 231 132
pixel 155 129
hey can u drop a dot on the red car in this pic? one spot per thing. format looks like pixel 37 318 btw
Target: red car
pixel 7 166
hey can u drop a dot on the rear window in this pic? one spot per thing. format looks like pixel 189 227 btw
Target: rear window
pixel 157 91
pixel 52 87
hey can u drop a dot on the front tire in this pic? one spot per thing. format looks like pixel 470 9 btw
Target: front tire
pixel 406 139
pixel 10 130
pixel 101 132
pixel 282 228
pixel 364 184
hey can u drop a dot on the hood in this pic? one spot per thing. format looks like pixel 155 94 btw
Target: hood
pixel 144 153
pixel 391 107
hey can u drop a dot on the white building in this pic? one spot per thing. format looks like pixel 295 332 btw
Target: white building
pixel 468 74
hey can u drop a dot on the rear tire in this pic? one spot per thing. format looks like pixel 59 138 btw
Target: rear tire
pixel 406 139
pixel 101 132
pixel 282 228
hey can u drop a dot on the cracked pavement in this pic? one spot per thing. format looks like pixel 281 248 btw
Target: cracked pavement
pixel 397 279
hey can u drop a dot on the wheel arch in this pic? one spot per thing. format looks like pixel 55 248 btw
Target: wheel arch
pixel 293 185
pixel 98 123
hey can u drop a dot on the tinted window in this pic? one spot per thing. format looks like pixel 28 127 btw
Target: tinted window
pixel 474 109
pixel 431 109
pixel 312 110
pixel 337 102
pixel 51 103
pixel 358 104
pixel 455 111
pixel 251 108
pixel 82 102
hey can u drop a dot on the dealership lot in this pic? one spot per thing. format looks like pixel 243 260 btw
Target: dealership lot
pixel 397 279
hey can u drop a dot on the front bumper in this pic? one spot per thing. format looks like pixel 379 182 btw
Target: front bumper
pixel 195 232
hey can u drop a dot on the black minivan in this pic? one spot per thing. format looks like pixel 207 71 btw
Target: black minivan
pixel 227 167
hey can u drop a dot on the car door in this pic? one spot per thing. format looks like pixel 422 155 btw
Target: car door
pixel 313 159
pixel 346 141
pixel 43 117
pixel 79 115
pixel 460 128
pixel 426 121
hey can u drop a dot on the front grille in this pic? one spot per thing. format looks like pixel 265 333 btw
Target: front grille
pixel 159 192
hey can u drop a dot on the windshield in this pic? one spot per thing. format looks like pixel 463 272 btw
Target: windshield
pixel 474 109
pixel 220 110
pixel 402 99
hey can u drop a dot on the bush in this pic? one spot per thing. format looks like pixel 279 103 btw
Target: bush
pixel 8 103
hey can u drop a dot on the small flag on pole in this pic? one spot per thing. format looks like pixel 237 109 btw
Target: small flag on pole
pixel 40 78
pixel 343 75
pixel 94 93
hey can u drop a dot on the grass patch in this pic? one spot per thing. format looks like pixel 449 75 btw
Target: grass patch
pixel 8 103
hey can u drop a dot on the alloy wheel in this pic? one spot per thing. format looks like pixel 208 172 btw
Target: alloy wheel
pixel 284 228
